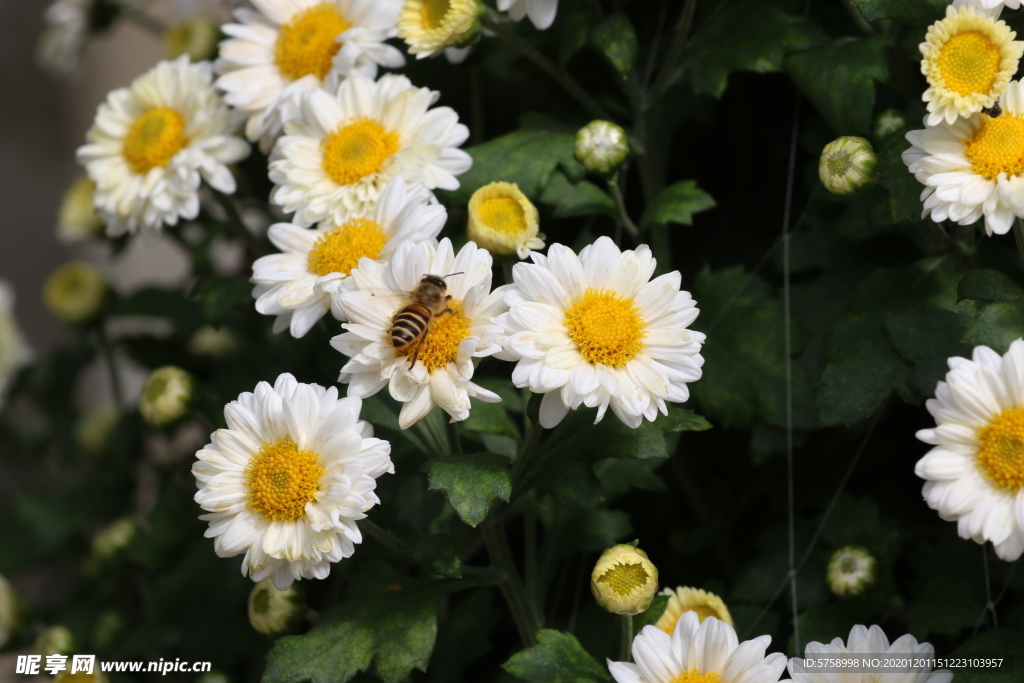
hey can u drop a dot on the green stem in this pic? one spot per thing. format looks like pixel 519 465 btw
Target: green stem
pixel 527 447
pixel 669 72
pixel 626 638
pixel 383 536
pixel 1018 234
pixel 236 222
pixel 530 565
pixel 454 443
pixel 511 586
pixel 620 204
pixel 574 89
pixel 859 19
pixel 107 351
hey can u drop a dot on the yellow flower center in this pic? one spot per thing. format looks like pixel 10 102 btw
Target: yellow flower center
pixel 433 12
pixel 694 676
pixel 307 44
pixel 503 214
pixel 440 345
pixel 997 147
pixel 281 480
pixel 625 578
pixel 969 62
pixel 357 150
pixel 154 139
pixel 608 328
pixel 339 250
pixel 703 612
pixel 1001 450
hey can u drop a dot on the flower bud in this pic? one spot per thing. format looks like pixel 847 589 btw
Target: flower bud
pixel 601 147
pixel 847 165
pixel 113 538
pixel 851 571
pixel 166 396
pixel 195 36
pixel 503 221
pixel 888 122
pixel 56 640
pixel 75 292
pixel 94 429
pixel 429 26
pixel 685 599
pixel 624 580
pixel 78 220
pixel 276 613
pixel 9 611
pixel 214 342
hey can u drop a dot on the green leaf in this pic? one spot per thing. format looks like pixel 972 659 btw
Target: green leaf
pixel 556 658
pixel 161 303
pixel 439 554
pixel 619 476
pixel 681 420
pixel 749 368
pixel 471 483
pixel 616 38
pixel 944 605
pixel 987 284
pixel 677 204
pixel 389 621
pixel 839 80
pixel 927 338
pixel 854 521
pixel 491 418
pixel 650 616
pixel 221 296
pixel 526 157
pixel 998 642
pixel 581 199
pixel 609 438
pixel 571 481
pixel 904 190
pixel 917 13
pixel 746 36
pixel 593 530
pixel 998 325
pixel 464 635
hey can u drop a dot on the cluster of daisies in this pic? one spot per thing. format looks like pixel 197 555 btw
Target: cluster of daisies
pixel 970 155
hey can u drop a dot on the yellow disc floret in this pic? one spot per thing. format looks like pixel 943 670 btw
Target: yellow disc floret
pixel 433 12
pixel 440 345
pixel 1001 450
pixel 357 150
pixel 624 578
pixel 503 214
pixel 307 44
pixel 969 62
pixel 154 139
pixel 339 250
pixel 685 599
pixel 997 147
pixel 694 676
pixel 281 479
pixel 608 328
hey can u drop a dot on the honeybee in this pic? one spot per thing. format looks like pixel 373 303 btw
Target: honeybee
pixel 411 324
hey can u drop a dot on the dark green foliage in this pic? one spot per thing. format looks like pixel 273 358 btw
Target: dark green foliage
pixel 556 658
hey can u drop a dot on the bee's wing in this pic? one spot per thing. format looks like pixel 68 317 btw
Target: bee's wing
pixel 389 297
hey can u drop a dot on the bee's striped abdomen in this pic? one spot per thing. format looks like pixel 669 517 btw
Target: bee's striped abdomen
pixel 409 325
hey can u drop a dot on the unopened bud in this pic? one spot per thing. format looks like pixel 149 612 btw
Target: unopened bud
pixel 56 640
pixel 847 165
pixel 113 538
pixel 195 37
pixel 889 122
pixel 214 342
pixel 75 292
pixel 276 613
pixel 94 429
pixel 685 599
pixel 624 581
pixel 166 396
pixel 601 147
pixel 851 571
pixel 503 221
pixel 78 220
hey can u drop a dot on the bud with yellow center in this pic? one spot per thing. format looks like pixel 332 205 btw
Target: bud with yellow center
pixel 276 613
pixel 601 147
pixel 888 122
pixel 195 37
pixel 214 342
pixel 94 429
pixel 9 611
pixel 429 26
pixel 503 221
pixel 56 640
pixel 851 571
pixel 624 581
pixel 113 538
pixel 78 220
pixel 685 599
pixel 75 292
pixel 847 165
pixel 166 396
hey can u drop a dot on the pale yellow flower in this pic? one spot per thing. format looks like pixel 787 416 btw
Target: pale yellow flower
pixel 685 599
pixel 503 221
pixel 624 580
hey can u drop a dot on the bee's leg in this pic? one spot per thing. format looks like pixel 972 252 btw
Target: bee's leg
pixel 446 311
pixel 448 298
pixel 415 354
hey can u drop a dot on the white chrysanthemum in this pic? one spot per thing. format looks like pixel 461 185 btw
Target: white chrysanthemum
pixel 593 330
pixel 541 12
pixel 290 47
pixel 454 343
pixel 67 28
pixel 153 143
pixel 698 652
pixel 968 58
pixel 297 285
pixel 867 641
pixel 991 6
pixel 335 163
pixel 287 480
pixel 430 27
pixel 15 352
pixel 975 472
pixel 973 168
